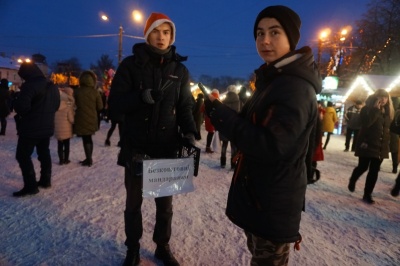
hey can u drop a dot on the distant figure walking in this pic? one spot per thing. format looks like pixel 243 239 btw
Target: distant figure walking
pixel 64 119
pixel 198 115
pixel 373 141
pixel 328 122
pixel 209 126
pixel 88 104
pixel 352 117
pixel 4 105
pixel 232 101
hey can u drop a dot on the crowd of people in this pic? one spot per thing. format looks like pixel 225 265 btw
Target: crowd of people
pixel 276 135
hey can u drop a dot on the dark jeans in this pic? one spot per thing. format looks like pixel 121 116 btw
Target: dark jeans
pixel 25 149
pixel 133 213
pixel 3 122
pixel 63 149
pixel 349 133
pixel 374 165
pixel 328 137
pixel 210 136
pixel 112 128
pixel 224 148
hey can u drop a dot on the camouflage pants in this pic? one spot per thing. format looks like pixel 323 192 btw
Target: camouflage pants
pixel 265 252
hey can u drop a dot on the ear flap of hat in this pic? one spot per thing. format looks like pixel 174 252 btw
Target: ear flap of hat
pixel 155 20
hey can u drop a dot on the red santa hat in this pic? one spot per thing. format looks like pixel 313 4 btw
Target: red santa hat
pixel 155 20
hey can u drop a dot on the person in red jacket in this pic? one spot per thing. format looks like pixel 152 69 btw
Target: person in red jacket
pixel 209 126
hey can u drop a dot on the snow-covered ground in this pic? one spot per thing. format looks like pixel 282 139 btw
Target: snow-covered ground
pixel 79 220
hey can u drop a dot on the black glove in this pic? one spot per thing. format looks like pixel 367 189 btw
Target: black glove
pixel 210 106
pixel 188 138
pixel 151 96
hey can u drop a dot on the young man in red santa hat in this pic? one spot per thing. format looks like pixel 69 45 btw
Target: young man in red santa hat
pixel 151 89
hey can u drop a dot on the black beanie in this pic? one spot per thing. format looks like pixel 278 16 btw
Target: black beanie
pixel 289 20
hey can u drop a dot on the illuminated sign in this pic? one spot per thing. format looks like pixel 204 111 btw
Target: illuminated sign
pixel 330 83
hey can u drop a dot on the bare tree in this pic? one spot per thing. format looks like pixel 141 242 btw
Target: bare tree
pixel 379 38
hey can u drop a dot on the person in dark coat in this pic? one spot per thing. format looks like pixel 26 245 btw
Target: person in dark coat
pixel 242 96
pixel 208 124
pixel 88 103
pixel 198 114
pixel 352 117
pixel 35 106
pixel 117 119
pixel 4 105
pixel 272 132
pixel 232 101
pixel 373 141
pixel 151 89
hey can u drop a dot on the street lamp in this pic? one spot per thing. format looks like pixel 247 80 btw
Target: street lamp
pixel 137 17
pixel 342 38
pixel 322 37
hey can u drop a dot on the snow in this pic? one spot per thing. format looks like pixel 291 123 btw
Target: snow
pixel 79 220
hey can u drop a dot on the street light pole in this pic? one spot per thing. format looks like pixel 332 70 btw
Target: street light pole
pixel 120 44
pixel 319 53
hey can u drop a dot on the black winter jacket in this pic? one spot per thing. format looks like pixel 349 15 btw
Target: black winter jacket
pixel 267 194
pixel 36 104
pixel 374 135
pixel 152 129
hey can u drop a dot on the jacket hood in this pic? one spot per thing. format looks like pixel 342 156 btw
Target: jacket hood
pixel 88 79
pixel 298 63
pixel 29 71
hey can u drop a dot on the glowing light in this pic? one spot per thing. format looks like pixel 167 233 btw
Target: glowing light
pixel 137 16
pixel 324 34
pixel 359 81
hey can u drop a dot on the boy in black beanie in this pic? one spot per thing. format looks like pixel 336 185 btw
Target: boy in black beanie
pixel 272 135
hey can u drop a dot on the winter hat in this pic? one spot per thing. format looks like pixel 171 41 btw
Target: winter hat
pixel 4 83
pixel 289 20
pixel 232 88
pixel 215 93
pixel 155 20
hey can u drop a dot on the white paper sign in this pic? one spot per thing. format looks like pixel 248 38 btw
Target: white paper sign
pixel 166 177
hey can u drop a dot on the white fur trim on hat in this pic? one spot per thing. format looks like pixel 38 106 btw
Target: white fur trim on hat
pixel 155 20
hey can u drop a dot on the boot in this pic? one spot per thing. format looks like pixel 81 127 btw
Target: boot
pixel 66 156
pixel 132 258
pixel 107 142
pixel 60 156
pixel 368 199
pixel 396 189
pixel 208 150
pixel 3 128
pixel 163 253
pixel 88 148
pixel 25 192
pixel 394 168
pixel 223 161
pixel 351 186
pixel 395 192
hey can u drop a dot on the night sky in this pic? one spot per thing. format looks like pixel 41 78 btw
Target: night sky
pixel 216 35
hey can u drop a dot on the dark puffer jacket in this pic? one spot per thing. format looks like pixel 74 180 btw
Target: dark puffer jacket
pixel 267 194
pixel 88 102
pixel 373 138
pixel 152 129
pixel 36 104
